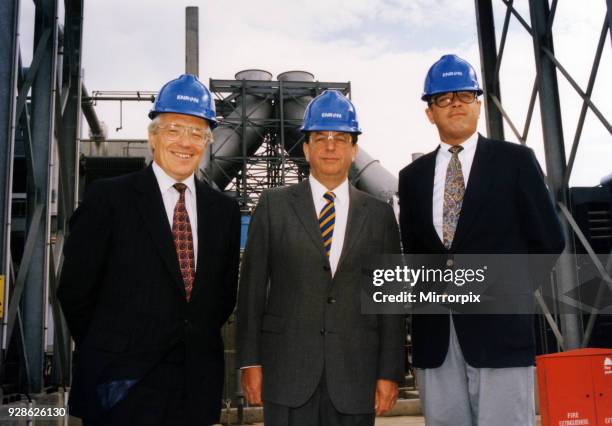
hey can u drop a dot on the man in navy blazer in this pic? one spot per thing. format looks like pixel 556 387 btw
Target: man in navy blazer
pixel 150 276
pixel 474 195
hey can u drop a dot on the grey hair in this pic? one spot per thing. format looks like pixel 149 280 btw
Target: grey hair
pixel 152 128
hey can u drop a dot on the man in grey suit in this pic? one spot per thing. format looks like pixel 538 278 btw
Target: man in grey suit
pixel 304 346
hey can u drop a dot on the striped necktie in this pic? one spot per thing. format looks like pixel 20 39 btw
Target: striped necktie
pixel 327 218
pixel 454 189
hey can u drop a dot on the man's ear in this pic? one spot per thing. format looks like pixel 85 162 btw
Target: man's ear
pixel 152 141
pixel 429 113
pixel 306 148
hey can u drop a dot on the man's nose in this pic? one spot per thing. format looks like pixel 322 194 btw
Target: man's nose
pixel 330 144
pixel 184 140
pixel 456 102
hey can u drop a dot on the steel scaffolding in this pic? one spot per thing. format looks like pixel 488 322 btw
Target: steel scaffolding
pixel 275 163
pixel 43 131
pixel 539 25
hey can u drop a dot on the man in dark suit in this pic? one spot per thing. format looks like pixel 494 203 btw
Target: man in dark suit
pixel 304 346
pixel 475 195
pixel 150 276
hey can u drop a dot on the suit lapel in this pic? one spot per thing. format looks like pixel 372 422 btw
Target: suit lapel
pixel 305 211
pixel 150 206
pixel 206 228
pixel 355 221
pixel 475 193
pixel 426 209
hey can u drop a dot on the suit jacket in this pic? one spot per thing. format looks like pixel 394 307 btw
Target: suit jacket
pixel 297 321
pixel 123 297
pixel 506 209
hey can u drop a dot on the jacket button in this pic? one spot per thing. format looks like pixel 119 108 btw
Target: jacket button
pixel 186 322
pixel 450 263
pixel 322 332
pixel 326 268
pixel 331 300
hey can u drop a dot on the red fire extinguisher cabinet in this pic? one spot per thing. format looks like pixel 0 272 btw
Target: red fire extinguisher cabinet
pixel 576 387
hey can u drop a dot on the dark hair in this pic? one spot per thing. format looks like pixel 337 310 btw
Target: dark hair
pixel 354 136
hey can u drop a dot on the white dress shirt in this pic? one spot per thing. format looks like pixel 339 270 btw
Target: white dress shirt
pixel 466 158
pixel 341 205
pixel 171 196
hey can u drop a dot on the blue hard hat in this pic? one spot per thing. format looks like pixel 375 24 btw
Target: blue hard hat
pixel 450 74
pixel 186 95
pixel 331 111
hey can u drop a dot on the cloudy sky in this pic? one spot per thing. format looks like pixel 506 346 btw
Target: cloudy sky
pixel 383 47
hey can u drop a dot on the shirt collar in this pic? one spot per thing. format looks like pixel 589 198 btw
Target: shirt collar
pixel 468 145
pixel 166 182
pixel 318 190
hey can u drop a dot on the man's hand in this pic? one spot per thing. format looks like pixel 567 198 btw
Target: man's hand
pixel 251 384
pixel 386 396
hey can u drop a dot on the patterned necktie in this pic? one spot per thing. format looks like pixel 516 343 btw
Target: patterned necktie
pixel 454 189
pixel 327 218
pixel 183 240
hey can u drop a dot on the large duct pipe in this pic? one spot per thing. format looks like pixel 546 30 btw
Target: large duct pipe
pixel 97 132
pixel 223 161
pixel 293 112
pixel 370 176
pixel 367 174
pixel 97 129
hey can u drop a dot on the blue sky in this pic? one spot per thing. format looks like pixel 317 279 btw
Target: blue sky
pixel 383 47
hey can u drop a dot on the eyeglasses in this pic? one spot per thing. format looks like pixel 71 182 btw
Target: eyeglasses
pixel 173 132
pixel 321 139
pixel 446 99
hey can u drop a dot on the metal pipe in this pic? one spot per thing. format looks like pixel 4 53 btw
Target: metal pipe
pixel 370 176
pixel 229 137
pixel 293 108
pixel 366 173
pixel 97 131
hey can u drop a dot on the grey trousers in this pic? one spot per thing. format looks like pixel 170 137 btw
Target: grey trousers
pixel 460 395
pixel 317 411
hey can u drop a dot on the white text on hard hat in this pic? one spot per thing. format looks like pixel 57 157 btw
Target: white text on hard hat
pixel 451 73
pixel 331 115
pixel 187 98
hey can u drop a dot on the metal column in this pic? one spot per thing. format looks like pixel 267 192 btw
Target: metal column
pixel 43 113
pixel 68 149
pixel 191 41
pixel 489 63
pixel 609 15
pixel 555 158
pixel 9 47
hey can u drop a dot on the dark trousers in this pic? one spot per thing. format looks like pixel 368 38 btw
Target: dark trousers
pixel 318 411
pixel 157 400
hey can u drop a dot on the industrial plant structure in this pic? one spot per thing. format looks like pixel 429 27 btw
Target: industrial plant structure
pixel 45 164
